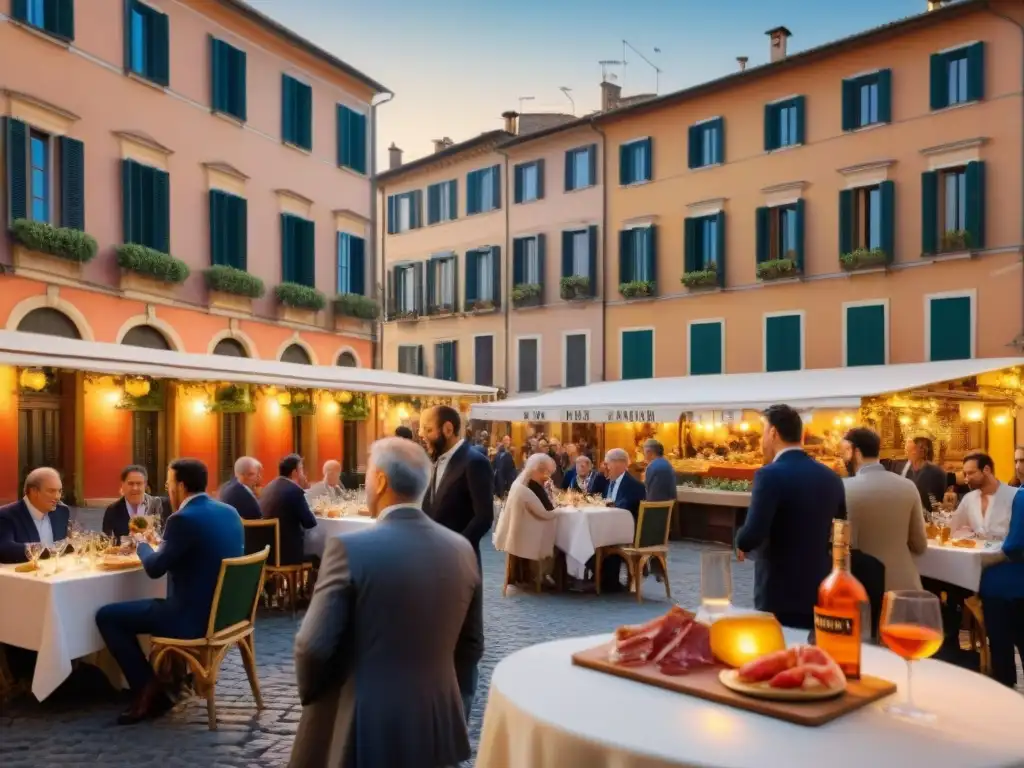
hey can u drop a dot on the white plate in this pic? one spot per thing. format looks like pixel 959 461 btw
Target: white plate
pixel 730 679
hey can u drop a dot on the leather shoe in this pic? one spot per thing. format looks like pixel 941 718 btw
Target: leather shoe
pixel 150 704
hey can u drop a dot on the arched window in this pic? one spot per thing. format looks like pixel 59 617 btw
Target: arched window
pixel 49 322
pixel 347 360
pixel 229 348
pixel 296 354
pixel 146 336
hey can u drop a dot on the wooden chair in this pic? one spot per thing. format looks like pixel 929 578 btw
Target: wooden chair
pixel 974 617
pixel 514 568
pixel 650 542
pixel 261 534
pixel 232 621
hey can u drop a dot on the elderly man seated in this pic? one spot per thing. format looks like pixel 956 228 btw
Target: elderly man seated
pixel 134 502
pixel 239 492
pixel 39 516
pixel 584 478
pixel 330 486
pixel 625 492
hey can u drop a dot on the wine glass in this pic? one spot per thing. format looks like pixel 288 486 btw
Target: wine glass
pixel 60 546
pixel 715 582
pixel 33 551
pixel 911 627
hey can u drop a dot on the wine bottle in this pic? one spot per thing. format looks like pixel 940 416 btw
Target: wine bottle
pixel 843 608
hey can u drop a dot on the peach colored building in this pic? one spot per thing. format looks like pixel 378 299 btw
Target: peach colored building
pixel 236 158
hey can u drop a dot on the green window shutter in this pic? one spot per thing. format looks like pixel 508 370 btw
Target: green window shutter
pixel 939 82
pixel 570 158
pixel 219 74
pixel 720 148
pixel 239 222
pixel 929 212
pixel 693 146
pixel 637 354
pixel 592 162
pixel 885 96
pixel 950 329
pixel 19 10
pixel 800 102
pixel 288 254
pixel 690 244
pixel 626 256
pixel 845 221
pixel 865 335
pixel 453 199
pixel 720 235
pixel 567 253
pixel 770 129
pixel 309 252
pixel 762 225
pixel 304 101
pixel 849 95
pixel 706 349
pixel 392 215
pixel 158 48
pixel 72 183
pixel 648 169
pixel 625 164
pixel 518 268
pixel 342 138
pixel 239 89
pixel 60 18
pixel 976 71
pixel 359 149
pixel 783 343
pixel 161 221
pixel 592 262
pixel 431 279
pixel 496 181
pixel 801 216
pixel 287 110
pixel 416 208
pixel 17 170
pixel 128 195
pixel 219 237
pixel 433 204
pixel 472 193
pixel 357 265
pixel 887 193
pixel 542 248
pixel 517 183
pixel 496 274
pixel 975 213
pixel 540 179
pixel 472 268
pixel 652 253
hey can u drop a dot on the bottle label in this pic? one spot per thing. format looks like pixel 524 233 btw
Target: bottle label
pixel 832 624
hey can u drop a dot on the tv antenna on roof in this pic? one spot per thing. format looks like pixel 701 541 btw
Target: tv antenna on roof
pixel 566 90
pixel 605 74
pixel 651 64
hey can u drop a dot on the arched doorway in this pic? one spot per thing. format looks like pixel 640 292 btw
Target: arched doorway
pixel 295 353
pixel 49 322
pixel 347 360
pixel 146 336
pixel 230 348
pixel 149 447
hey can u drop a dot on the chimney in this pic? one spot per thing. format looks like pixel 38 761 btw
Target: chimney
pixel 610 95
pixel 439 146
pixel 511 121
pixel 394 156
pixel 934 5
pixel 742 61
pixel 778 37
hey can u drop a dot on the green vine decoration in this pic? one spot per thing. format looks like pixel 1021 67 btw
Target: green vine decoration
pixel 358 409
pixel 232 398
pixel 152 401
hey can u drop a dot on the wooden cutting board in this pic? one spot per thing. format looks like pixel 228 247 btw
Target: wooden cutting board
pixel 704 684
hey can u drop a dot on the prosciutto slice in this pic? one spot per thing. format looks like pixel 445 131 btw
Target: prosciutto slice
pixel 675 642
pixel 802 666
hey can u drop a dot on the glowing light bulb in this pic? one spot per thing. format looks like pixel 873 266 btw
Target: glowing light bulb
pixel 744 427
pixel 848 420
pixel 332 408
pixel 113 397
pixel 274 407
pixel 403 412
pixel 904 420
pixel 198 407
pixel 836 421
pixel 924 421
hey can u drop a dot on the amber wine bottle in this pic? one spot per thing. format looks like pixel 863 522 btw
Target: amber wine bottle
pixel 843 607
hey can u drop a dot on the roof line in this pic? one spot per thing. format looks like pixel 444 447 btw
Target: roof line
pixel 455 149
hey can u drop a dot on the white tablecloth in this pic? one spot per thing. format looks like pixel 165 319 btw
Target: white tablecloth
pixel 579 532
pixel 954 565
pixel 542 712
pixel 333 526
pixel 56 615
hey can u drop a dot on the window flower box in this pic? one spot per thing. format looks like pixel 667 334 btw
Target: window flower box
pixel 777 269
pixel 441 310
pixel 574 287
pixel 955 241
pixel 701 278
pixel 636 289
pixel 481 306
pixel 298 303
pixel 42 249
pixel 232 289
pixel 526 295
pixel 863 258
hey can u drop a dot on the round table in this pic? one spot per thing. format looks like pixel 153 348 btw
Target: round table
pixel 543 711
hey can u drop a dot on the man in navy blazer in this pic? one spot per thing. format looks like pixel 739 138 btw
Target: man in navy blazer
pixel 284 499
pixel 38 516
pixel 238 491
pixel 789 523
pixel 660 476
pixel 625 492
pixel 584 478
pixel 199 536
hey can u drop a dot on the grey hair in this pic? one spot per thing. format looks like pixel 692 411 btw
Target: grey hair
pixel 584 457
pixel 617 454
pixel 405 465
pixel 333 464
pixel 536 460
pixel 653 445
pixel 34 479
pixel 245 464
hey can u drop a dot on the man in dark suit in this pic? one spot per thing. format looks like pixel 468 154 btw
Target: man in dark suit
pixel 39 516
pixel 659 477
pixel 238 491
pixel 504 468
pixel 284 498
pixel 625 492
pixel 584 478
pixel 460 495
pixel 199 535
pixel 406 581
pixel 789 523
pixel 134 502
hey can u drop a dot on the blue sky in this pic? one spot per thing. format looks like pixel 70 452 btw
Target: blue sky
pixel 456 65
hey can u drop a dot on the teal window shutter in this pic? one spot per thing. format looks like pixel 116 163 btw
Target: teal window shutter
pixel 128 197
pixel 637 354
pixel 849 96
pixel 17 169
pixel 570 165
pixel 542 247
pixel 308 252
pixel 845 221
pixel 762 225
pixel 929 212
pixel 416 209
pixel 801 216
pixel 496 181
pixel 690 259
pixel 287 249
pixel 592 162
pixel 472 268
pixel 770 129
pixel 392 215
pixel 496 275
pixel 517 184
pixel 518 268
pixel 950 328
pixel 453 199
pixel 351 128
pixel 240 229
pixel 648 169
pixel 626 243
pixel 720 236
pixel 287 110
pixel 472 193
pixel 433 203
pixel 592 262
pixel 72 183
pixel 975 213
pixel 58 17
pixel 19 10
pixel 693 146
pixel 652 253
pixel 304 101
pixel 783 343
pixel 227 75
pixel 625 164
pixel 887 193
pixel 800 103
pixel 357 265
pixel 885 96
pixel 865 335
pixel 567 252
pixel 158 54
pixel 706 348
pixel 938 82
pixel 228 229
pixel 161 191
pixel 976 71
pixel 540 178
pixel 720 147
pixel 219 233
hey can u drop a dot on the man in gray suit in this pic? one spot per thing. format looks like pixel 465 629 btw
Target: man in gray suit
pixel 390 632
pixel 659 477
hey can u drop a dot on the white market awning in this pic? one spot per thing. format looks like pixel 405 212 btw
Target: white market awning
pixel 38 351
pixel 665 400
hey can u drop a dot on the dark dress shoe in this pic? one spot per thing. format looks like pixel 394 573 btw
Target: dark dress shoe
pixel 149 705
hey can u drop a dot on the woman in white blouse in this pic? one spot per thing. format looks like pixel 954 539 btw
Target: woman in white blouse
pixel 986 508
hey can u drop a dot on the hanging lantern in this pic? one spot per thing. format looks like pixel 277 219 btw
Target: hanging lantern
pixel 343 397
pixel 284 398
pixel 137 386
pixel 33 379
pixel 300 397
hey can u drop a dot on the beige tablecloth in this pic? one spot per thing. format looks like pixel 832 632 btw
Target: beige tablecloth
pixel 542 712
pixel 579 532
pixel 55 615
pixel 954 565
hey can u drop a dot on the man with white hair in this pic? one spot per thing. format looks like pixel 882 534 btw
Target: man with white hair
pixel 39 516
pixel 584 478
pixel 330 486
pixel 390 632
pixel 239 492
pixel 624 492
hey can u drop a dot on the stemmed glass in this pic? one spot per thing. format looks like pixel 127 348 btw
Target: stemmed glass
pixel 33 551
pixel 59 547
pixel 911 627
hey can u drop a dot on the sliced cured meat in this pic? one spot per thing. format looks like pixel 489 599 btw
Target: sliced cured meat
pixel 673 622
pixel 789 678
pixel 767 667
pixel 812 654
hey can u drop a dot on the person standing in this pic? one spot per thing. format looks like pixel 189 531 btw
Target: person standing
pixel 386 655
pixel 1018 467
pixel 284 499
pixel 504 468
pixel 239 492
pixel 789 523
pixel 920 469
pixel 659 477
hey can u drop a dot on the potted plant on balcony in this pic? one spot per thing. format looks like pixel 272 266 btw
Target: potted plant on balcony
pixel 526 295
pixel 233 289
pixel 481 306
pixel 574 287
pixel 353 311
pixel 775 269
pixel 701 278
pixel 636 289
pixel 149 271
pixel 441 310
pixel 955 240
pixel 863 258
pixel 44 248
pixel 299 303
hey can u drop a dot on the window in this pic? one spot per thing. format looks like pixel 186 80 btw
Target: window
pixel 445 363
pixel 351 264
pixel 147 206
pixel 581 168
pixel 407 291
pixel 529 182
pixel 351 139
pixel 637 255
pixel 45 176
pixel 442 202
pixel 958 76
pixel 577 360
pixel 528 256
pixel 867 100
pixel 707 143
pixel 410 359
pixel 704 244
pixel 55 17
pixel 483 277
pixel 637 353
pixel 483 190
pixel 528 363
pixel 635 162
pixel 784 123
pixel 296 113
pixel 404 212
pixel 228 229
pixel 483 361
pixel 39 175
pixel 865 333
pixel 298 250
pixel 783 342
pixel 227 72
pixel 780 234
pixel 953 209
pixel 579 255
pixel 707 347
pixel 950 326
pixel 148 44
pixel 441 284
pixel 866 219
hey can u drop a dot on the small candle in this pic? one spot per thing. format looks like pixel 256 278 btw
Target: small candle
pixel 738 639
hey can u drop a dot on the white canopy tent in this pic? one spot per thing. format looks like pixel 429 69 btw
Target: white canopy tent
pixel 35 350
pixel 665 400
